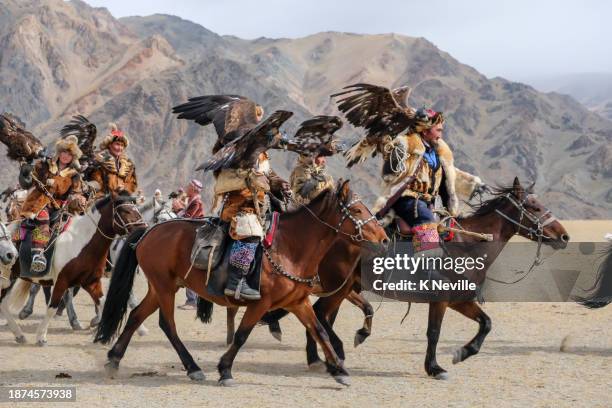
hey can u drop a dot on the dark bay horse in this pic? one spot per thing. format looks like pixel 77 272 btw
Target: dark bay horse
pixel 79 258
pixel 511 211
pixel 289 271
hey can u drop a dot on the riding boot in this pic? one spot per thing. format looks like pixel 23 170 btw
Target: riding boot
pixel 39 261
pixel 237 286
pixel 241 257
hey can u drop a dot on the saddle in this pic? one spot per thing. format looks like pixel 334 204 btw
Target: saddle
pixel 211 250
pixel 24 247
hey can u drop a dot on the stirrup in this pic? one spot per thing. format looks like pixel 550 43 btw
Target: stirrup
pixel 39 263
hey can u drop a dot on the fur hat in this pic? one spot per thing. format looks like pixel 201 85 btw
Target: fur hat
pixel 114 136
pixel 69 144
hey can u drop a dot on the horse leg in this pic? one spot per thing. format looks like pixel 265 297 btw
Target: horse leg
pixel 306 315
pixel 231 316
pixel 368 312
pixel 275 330
pixel 132 303
pixel 5 310
pixel 436 315
pixel 28 309
pixel 254 312
pixel 474 312
pixel 147 306
pixel 167 324
pixel 72 316
pixel 95 291
pixel 59 289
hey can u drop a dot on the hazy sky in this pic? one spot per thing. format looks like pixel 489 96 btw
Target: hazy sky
pixel 516 39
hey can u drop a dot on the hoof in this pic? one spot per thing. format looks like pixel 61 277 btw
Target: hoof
pixel 41 343
pixel 317 367
pixel 94 322
pixel 197 376
pixel 111 367
pixel 359 338
pixel 343 379
pixel 142 331
pixel 457 356
pixel 277 335
pixel 441 376
pixel 227 382
pixel 76 325
pixel 21 339
pixel 24 314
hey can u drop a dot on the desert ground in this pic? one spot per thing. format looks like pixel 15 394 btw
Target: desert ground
pixel 538 354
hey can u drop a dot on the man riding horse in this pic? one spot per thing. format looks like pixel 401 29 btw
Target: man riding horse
pixel 418 173
pixel 57 184
pixel 243 175
pixel 112 170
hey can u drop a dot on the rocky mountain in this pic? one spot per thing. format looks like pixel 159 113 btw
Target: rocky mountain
pixel 60 58
pixel 594 90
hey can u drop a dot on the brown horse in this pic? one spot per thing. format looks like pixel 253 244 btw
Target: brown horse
pixel 289 271
pixel 79 258
pixel 512 211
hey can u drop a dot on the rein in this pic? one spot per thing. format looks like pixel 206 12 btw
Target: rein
pixel 346 214
pixel 539 222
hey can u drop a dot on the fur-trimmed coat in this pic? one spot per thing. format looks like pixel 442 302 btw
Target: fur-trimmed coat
pixel 110 174
pixel 63 185
pixel 444 181
pixel 237 186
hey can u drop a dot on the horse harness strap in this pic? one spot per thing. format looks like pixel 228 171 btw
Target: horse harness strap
pixel 277 268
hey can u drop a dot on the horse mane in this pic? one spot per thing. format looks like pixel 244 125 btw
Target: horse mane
pixel 498 197
pixel 298 209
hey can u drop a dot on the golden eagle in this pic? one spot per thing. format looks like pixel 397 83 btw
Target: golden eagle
pixel 383 113
pixel 85 132
pixel 315 137
pixel 22 145
pixel 242 134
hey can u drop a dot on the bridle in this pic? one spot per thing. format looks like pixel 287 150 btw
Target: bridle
pixel 536 230
pixel 5 236
pixel 345 209
pixel 119 221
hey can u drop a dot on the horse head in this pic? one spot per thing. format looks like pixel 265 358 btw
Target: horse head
pixel 345 213
pixel 532 220
pixel 120 215
pixel 8 256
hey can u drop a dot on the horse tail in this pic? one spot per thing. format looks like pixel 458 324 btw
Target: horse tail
pixel 122 280
pixel 601 291
pixel 205 310
pixel 18 295
pixel 273 316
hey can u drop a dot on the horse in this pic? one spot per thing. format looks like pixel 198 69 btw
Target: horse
pixel 79 258
pixel 163 254
pixel 601 292
pixel 8 257
pixel 155 211
pixel 511 211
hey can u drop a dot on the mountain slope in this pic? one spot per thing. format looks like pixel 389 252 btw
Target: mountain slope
pixel 133 70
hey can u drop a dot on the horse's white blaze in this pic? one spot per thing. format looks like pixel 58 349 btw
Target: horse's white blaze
pixel 70 243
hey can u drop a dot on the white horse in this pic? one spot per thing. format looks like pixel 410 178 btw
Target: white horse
pixel 8 257
pixel 78 258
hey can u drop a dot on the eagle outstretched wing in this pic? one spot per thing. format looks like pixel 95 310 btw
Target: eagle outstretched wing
pixel 21 144
pixel 380 111
pixel 86 133
pixel 232 115
pixel 243 152
pixel 316 136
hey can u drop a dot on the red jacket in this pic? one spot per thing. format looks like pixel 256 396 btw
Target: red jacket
pixel 194 209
